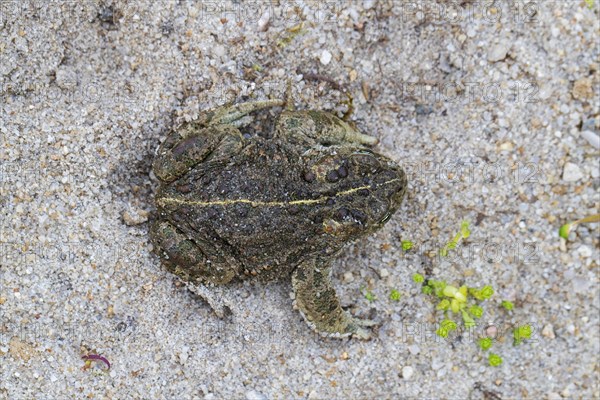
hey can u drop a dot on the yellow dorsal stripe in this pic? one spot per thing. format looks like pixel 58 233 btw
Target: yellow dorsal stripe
pixel 170 200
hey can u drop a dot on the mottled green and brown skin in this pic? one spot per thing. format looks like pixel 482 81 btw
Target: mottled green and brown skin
pixel 235 207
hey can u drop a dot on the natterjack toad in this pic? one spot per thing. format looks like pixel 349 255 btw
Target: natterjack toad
pixel 231 206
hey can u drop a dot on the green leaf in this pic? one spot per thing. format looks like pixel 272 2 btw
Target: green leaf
pixel 482 294
pixel 468 320
pixel 494 360
pixel 406 245
pixel 443 305
pixel 395 295
pixel 446 327
pixel 369 295
pixel 418 278
pixel 438 287
pixel 464 229
pixel 476 311
pixel 520 333
pixel 449 291
pixel 508 305
pixel 564 230
pixel 454 305
pixel 485 343
pixel 427 290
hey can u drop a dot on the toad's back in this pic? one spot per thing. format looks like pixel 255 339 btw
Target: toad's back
pixel 257 207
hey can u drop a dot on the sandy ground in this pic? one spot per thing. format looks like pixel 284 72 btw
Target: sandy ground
pixel 487 108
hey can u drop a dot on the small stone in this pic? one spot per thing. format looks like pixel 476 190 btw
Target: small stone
pixel 506 146
pixel 414 349
pixel 353 75
pixel 135 217
pixel 437 363
pixel 263 22
pixel 582 89
pixel 219 51
pixel 491 331
pixel 584 251
pixel 572 172
pixel 384 273
pixel 548 331
pixel 254 395
pixel 497 52
pixel 368 4
pixel 591 138
pixel 184 354
pixel 313 395
pixel 407 372
pixel 66 78
pixel 325 57
pixel 348 277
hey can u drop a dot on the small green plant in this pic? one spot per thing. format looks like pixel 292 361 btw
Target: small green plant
pixel 494 360
pixel 485 343
pixel 457 300
pixel 446 327
pixel 590 3
pixel 464 302
pixel 463 233
pixel 395 295
pixel 406 245
pixel 508 305
pixel 564 230
pixel 418 278
pixel 520 333
pixel 368 294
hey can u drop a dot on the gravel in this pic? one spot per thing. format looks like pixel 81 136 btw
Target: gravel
pixel 493 112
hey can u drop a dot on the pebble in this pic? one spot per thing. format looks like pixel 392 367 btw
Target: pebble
pixel 572 172
pixel 384 273
pixel 497 52
pixel 263 22
pixel 437 363
pixel 584 251
pixel 254 395
pixel 184 354
pixel 407 372
pixel 414 349
pixel 325 57
pixel 582 89
pixel 66 78
pixel 548 331
pixel 348 277
pixel 591 138
pixel 135 217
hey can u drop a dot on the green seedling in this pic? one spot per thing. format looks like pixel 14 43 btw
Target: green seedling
pixel 485 343
pixel 508 305
pixel 494 360
pixel 564 230
pixel 406 245
pixel 520 333
pixel 463 233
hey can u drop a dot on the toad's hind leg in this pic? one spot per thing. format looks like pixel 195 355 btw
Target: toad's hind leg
pixel 316 299
pixel 192 261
